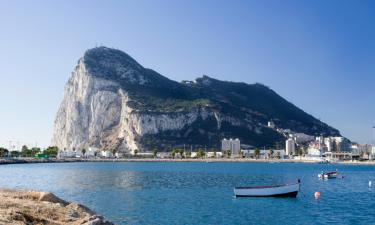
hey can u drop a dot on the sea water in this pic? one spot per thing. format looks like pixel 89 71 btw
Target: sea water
pixel 202 193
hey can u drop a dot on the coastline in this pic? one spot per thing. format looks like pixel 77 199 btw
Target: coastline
pixel 208 160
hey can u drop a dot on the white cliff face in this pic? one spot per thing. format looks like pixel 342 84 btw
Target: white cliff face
pixel 95 113
pixel 90 106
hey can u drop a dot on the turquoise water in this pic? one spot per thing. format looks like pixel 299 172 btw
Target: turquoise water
pixel 202 193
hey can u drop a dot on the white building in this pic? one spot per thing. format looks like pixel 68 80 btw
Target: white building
pixel 233 145
pixel 119 154
pixel 290 147
pixel 193 154
pixel 264 154
pixel 66 154
pixel 372 154
pixel 106 154
pixel 91 152
pixel 328 143
pixel 337 144
pixel 314 152
pixel 214 154
pixel 225 145
pixel 271 124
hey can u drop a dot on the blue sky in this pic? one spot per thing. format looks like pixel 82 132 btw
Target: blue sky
pixel 320 55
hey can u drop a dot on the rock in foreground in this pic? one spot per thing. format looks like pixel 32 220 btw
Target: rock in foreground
pixel 31 207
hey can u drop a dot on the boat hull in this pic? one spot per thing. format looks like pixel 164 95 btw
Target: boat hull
pixel 290 190
pixel 330 175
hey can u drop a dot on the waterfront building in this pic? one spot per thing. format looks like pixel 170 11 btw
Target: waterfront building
pixel 233 145
pixel 106 154
pixel 194 155
pixel 214 154
pixel 342 144
pixel 91 152
pixel 225 145
pixel 290 147
pixel 163 155
pixel 119 154
pixel 329 144
pixel 264 154
pixel 372 154
pixel 313 151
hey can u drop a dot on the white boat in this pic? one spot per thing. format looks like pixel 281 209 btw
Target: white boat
pixel 286 190
pixel 329 175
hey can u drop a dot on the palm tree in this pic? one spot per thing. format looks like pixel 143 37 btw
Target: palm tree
pixel 114 151
pixel 270 153
pixel 200 153
pixel 181 153
pixel 155 153
pixel 256 153
pixel 228 153
pixel 174 151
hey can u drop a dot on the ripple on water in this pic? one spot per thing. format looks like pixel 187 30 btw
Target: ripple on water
pixel 201 193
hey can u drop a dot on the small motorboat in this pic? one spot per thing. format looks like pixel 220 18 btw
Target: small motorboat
pixel 286 190
pixel 329 175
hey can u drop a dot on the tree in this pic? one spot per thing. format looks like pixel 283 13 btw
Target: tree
pixel 24 148
pixel 301 150
pixel 270 153
pixel 200 153
pixel 155 153
pixel 35 150
pixel 188 154
pixel 3 152
pixel 181 153
pixel 15 154
pixel 52 151
pixel 114 151
pixel 135 152
pixel 83 151
pixel 174 152
pixel 257 153
pixel 227 153
pixel 278 155
pixel 26 152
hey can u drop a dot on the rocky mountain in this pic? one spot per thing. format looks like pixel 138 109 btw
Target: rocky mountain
pixel 112 102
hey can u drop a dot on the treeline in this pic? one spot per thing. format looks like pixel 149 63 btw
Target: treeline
pixel 51 151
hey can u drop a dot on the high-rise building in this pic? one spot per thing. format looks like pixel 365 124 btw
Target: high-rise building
pixel 290 147
pixel 233 145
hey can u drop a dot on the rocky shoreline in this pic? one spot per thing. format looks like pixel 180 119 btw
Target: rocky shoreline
pixel 32 207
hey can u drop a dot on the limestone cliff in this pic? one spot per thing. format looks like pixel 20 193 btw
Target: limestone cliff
pixel 111 101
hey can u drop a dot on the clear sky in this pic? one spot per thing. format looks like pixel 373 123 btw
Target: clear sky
pixel 320 55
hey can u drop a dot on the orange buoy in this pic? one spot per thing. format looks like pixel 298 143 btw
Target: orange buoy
pixel 317 195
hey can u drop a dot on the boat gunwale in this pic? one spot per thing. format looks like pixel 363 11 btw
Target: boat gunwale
pixel 264 187
pixel 331 173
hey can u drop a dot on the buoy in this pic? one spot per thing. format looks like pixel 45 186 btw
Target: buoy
pixel 317 195
pixel 369 183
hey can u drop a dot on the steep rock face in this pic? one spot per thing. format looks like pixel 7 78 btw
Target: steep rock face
pixel 112 102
